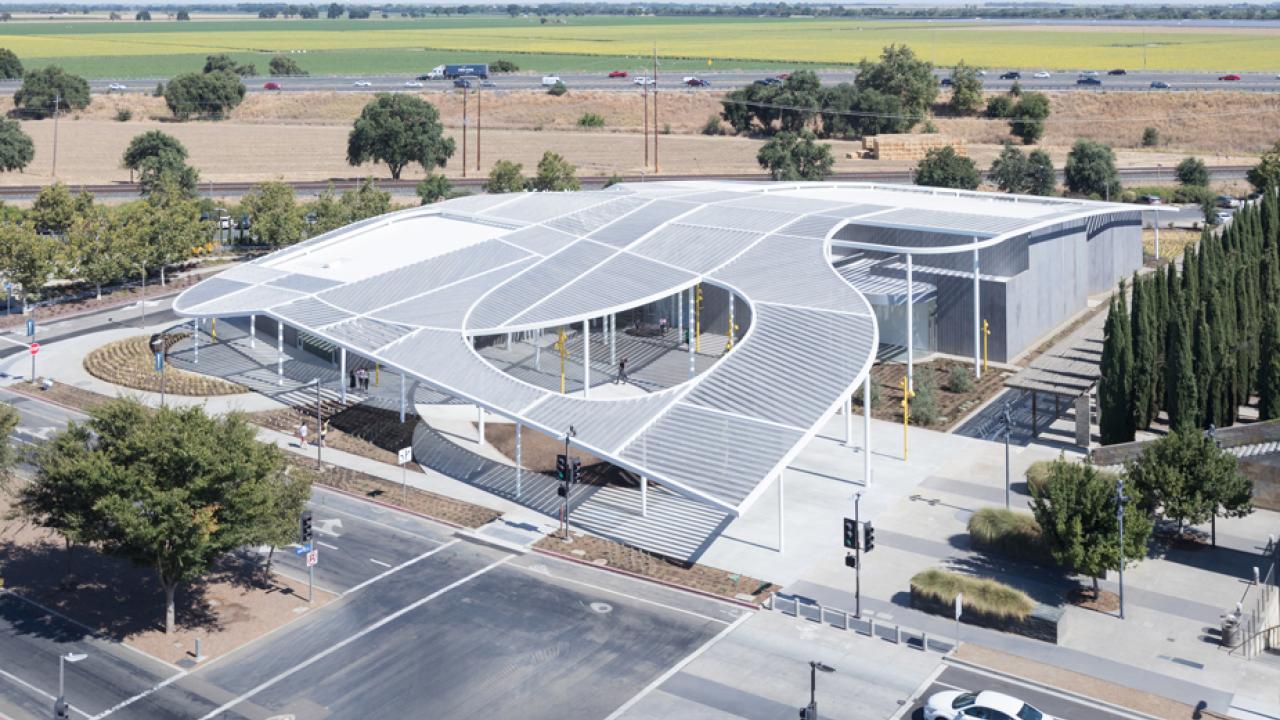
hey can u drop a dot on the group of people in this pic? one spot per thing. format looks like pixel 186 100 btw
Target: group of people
pixel 358 379
pixel 303 430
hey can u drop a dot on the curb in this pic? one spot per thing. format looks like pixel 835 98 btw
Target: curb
pixel 397 508
pixel 477 537
pixel 1078 697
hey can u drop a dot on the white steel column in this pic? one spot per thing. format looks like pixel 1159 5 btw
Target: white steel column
pixel 508 347
pixel 691 338
pixel 519 466
pixel 780 520
pixel 732 334
pixel 342 374
pixel 586 358
pixel 679 317
pixel 253 333
pixel 911 337
pixel 279 353
pixel 644 496
pixel 401 396
pixel 195 336
pixel 848 421
pixel 480 416
pixel 612 321
pixel 537 351
pixel 977 317
pixel 866 430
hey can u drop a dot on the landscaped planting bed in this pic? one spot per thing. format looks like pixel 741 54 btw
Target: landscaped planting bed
pixel 130 363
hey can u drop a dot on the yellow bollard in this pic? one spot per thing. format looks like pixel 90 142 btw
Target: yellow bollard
pixel 986 330
pixel 697 320
pixel 562 345
pixel 907 394
pixel 214 331
pixel 377 374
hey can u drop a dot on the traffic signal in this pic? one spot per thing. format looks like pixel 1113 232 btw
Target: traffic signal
pixel 562 468
pixel 306 527
pixel 61 710
pixel 850 534
pixel 575 468
pixel 868 537
pixel 851 560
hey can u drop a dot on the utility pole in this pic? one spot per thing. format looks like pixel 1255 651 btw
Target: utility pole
pixel 644 93
pixel 464 132
pixel 57 104
pixel 319 425
pixel 857 555
pixel 810 712
pixel 478 91
pixel 655 109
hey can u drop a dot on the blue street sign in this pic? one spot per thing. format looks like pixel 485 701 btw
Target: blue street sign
pixel 31 328
pixel 302 549
pixel 8 286
pixel 159 362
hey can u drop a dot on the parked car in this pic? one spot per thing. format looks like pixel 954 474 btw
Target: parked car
pixel 1042 75
pixel 697 82
pixel 1159 85
pixel 991 705
pixel 117 87
pixel 462 83
pixel 618 73
pixel 1226 201
pixel 646 80
pixel 1221 217
pixel 413 83
pixel 550 80
pixel 1232 77
pixel 1117 71
pixel 271 85
pixel 1151 200
pixel 1088 81
pixel 362 83
pixel 1011 75
pixel 768 81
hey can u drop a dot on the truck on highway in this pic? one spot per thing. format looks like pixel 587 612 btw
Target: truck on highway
pixel 452 72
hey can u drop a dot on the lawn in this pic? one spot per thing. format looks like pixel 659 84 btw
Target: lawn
pixel 130 49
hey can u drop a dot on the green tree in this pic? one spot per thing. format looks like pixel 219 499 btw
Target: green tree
pixel 1115 385
pixel 183 16
pixel 1028 116
pixel 16 148
pixel 505 177
pixel 211 95
pixel 165 228
pixel 966 89
pixel 1011 170
pixel 1042 179
pixel 503 66
pixel 942 167
pixel 1091 170
pixel 53 209
pixel 399 130
pixel 92 252
pixel 143 16
pixel 899 73
pixel 796 156
pixel 1142 331
pixel 225 63
pixel 274 212
pixel 29 259
pixel 10 65
pixel 42 88
pixel 153 154
pixel 335 11
pixel 555 174
pixel 1269 366
pixel 558 89
pixel 1192 172
pixel 1000 107
pixel 8 451
pixel 1076 511
pixel 1150 137
pixel 283 65
pixel 434 189
pixel 1266 174
pixel 172 489
pixel 332 211
pixel 1185 476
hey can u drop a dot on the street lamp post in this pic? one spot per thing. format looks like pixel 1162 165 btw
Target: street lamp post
pixel 1121 501
pixel 60 706
pixel 857 555
pixel 811 711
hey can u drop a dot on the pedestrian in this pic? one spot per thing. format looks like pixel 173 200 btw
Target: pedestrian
pixel 351 379
pixel 362 378
pixel 324 432
pixel 622 371
pixel 302 434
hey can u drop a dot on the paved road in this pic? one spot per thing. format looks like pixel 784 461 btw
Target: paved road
pixel 14 341
pixel 1059 706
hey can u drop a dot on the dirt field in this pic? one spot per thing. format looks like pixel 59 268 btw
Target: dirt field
pixel 303 135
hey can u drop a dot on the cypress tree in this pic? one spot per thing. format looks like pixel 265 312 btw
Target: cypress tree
pixel 1115 386
pixel 1203 371
pixel 1142 332
pixel 1160 288
pixel 1191 278
pixel 1269 368
pixel 1180 380
pixel 1246 336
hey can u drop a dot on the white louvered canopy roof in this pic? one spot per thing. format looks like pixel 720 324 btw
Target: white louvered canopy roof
pixel 410 288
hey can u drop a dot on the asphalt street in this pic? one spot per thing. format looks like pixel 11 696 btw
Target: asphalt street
pixel 1061 707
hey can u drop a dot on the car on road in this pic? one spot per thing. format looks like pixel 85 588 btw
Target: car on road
pixel 1090 73
pixel 1159 85
pixel 551 80
pixel 1042 75
pixel 462 83
pixel 1231 77
pixel 413 83
pixel 1150 200
pixel 697 82
pixel 1221 217
pixel 427 76
pixel 1226 201
pixel 1088 81
pixel 362 83
pixel 1011 75
pixel 768 81
pixel 1117 71
pixel 488 83
pixel 989 705
pixel 618 74
pixel 271 86
pixel 944 82
pixel 982 73
pixel 117 87
pixel 646 80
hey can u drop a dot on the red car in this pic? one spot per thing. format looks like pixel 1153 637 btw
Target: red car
pixel 618 73
pixel 1230 78
pixel 271 86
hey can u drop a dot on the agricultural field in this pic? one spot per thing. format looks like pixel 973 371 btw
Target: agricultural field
pixel 346 47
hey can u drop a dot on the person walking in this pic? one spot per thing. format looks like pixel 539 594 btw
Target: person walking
pixel 362 379
pixel 302 434
pixel 324 432
pixel 622 372
pixel 351 379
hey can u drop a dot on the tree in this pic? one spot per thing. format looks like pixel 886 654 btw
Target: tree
pixel 308 12
pixel 555 174
pixel 274 212
pixel 1091 170
pixel 1150 137
pixel 29 259
pixel 1028 116
pixel 225 63
pixel 434 189
pixel 503 66
pixel 399 130
pixel 155 153
pixel 283 65
pixel 1192 172
pixel 92 251
pixel 505 177
pixel 966 89
pixel 211 94
pixel 143 16
pixel 53 209
pixel 331 211
pixel 999 107
pixel 1269 366
pixel 1142 332
pixel 943 167
pixel 173 489
pixel 165 228
pixel 901 74
pixel 1010 171
pixel 795 156
pixel 1076 510
pixel 1185 476
pixel 8 452
pixel 357 13
pixel 10 65
pixel 183 16
pixel 1266 174
pixel 16 148
pixel 558 89
pixel 335 11
pixel 1116 382
pixel 42 89
pixel 1042 179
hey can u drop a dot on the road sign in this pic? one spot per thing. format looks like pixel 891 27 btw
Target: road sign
pixel 31 328
pixel 406 455
pixel 959 605
pixel 159 362
pixel 313 558
pixel 35 348
pixel 302 549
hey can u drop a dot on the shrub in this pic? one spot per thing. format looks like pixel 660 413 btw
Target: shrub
pixel 159 91
pixel 666 128
pixel 1015 534
pixel 1038 476
pixel 958 379
pixel 924 407
pixel 503 66
pixel 124 115
pixel 928 127
pixel 1000 106
pixel 981 596
pixel 558 89
pixel 591 120
pixel 713 126
pixel 1150 137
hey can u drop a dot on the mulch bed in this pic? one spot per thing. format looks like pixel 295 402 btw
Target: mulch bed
pixel 62 394
pixel 368 432
pixel 952 407
pixel 130 363
pixel 702 578
pixel 1103 602
pixel 538 454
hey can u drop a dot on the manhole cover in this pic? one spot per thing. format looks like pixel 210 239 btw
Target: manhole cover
pixel 601 608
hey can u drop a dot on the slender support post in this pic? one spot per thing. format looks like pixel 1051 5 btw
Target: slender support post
pixel 537 350
pixel 1155 223
pixel 691 331
pixel 586 358
pixel 279 353
pixel 679 317
pixel 480 423
pixel 402 398
pixel 508 346
pixel 866 431
pixel 848 422
pixel 977 318
pixel 611 322
pixel 519 463
pixel 911 356
pixel 253 332
pixel 342 375
pixel 195 337
pixel 780 518
pixel 644 496
pixel 732 327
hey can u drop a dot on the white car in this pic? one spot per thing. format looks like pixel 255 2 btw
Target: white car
pixel 550 80
pixel 989 705
pixel 642 80
pixel 412 83
pixel 1089 73
pixel 117 87
pixel 1042 75
pixel 982 73
pixel 362 83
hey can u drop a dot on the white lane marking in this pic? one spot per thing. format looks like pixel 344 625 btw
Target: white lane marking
pixel 676 668
pixel 909 704
pixel 379 562
pixel 619 593
pixel 129 701
pixel 33 688
pixel 399 567
pixel 88 630
pixel 323 544
pixel 948 686
pixel 334 648
pixel 393 528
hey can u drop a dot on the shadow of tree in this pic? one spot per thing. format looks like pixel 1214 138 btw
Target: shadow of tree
pixel 1045 585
